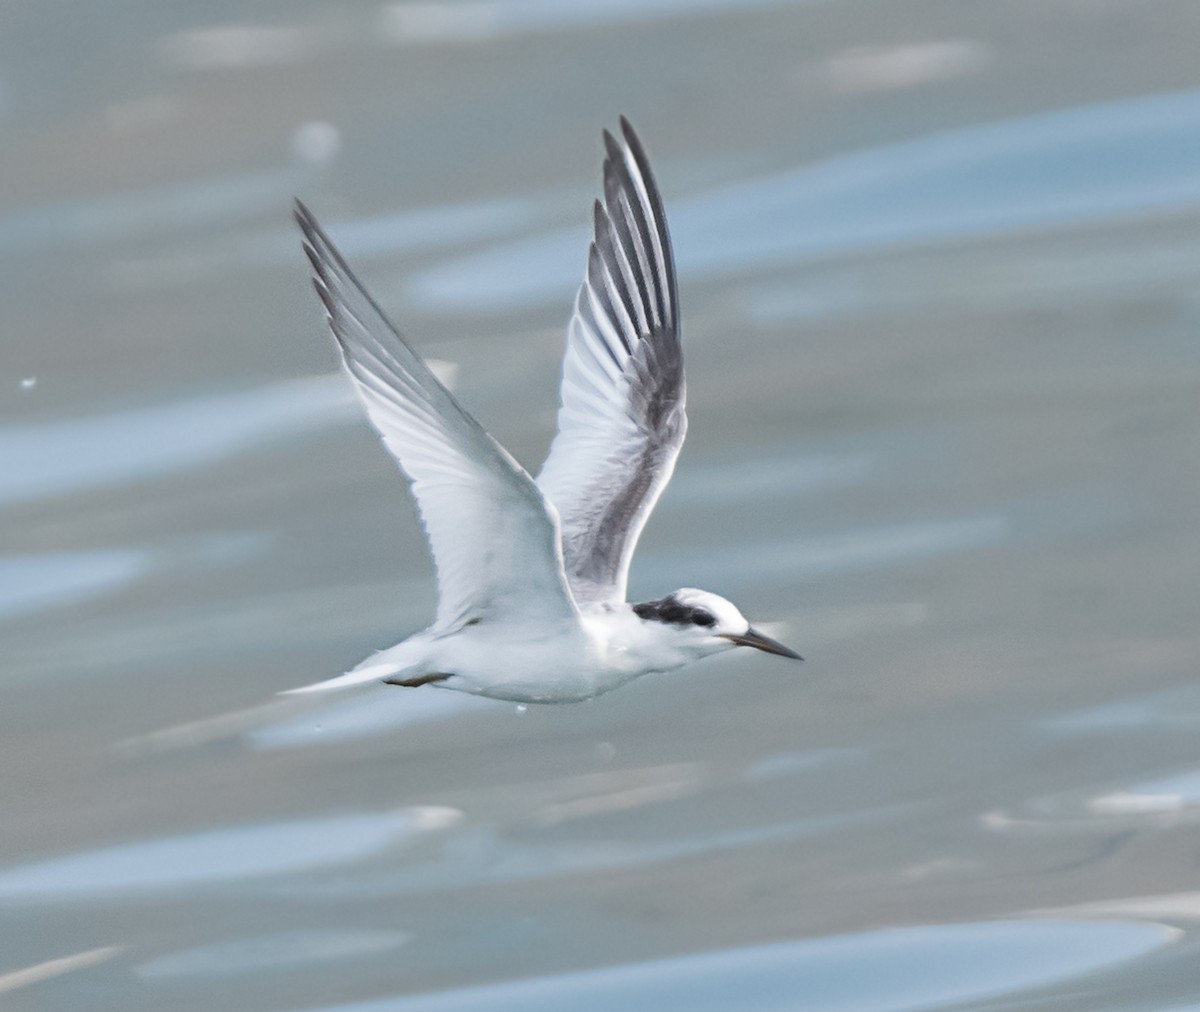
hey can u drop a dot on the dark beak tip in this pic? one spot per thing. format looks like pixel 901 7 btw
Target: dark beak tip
pixel 753 638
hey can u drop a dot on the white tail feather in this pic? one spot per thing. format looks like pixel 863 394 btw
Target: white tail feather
pixel 369 673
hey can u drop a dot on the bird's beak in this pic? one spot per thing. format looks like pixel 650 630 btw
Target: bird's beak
pixel 753 638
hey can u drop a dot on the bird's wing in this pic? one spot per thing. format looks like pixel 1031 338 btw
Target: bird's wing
pixel 494 537
pixel 621 421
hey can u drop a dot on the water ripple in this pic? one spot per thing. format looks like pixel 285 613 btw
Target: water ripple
pixel 1094 162
pixel 881 970
pixel 218 855
pixel 95 451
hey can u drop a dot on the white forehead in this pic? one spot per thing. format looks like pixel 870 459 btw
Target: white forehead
pixel 727 616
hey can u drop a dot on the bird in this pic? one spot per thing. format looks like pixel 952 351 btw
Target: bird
pixel 532 572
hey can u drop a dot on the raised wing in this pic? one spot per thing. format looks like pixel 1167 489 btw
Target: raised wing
pixel 621 422
pixel 495 539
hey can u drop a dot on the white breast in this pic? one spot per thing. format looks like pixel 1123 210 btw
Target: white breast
pixel 558 661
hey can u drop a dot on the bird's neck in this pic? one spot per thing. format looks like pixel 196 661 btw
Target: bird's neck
pixel 624 641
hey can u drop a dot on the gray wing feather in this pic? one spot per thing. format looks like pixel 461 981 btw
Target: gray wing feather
pixel 494 537
pixel 621 422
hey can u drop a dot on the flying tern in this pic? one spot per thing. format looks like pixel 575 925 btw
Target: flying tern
pixel 532 572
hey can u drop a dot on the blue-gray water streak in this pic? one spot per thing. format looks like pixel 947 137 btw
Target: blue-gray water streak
pixel 54 458
pixel 882 972
pixel 1088 163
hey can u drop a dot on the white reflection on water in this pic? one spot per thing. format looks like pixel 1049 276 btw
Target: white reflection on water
pixel 886 68
pixel 1153 797
pixel 234 45
pixel 1166 801
pixel 1178 906
pixel 286 949
pixel 873 972
pixel 1134 156
pixel 14 980
pixel 474 21
pixel 219 855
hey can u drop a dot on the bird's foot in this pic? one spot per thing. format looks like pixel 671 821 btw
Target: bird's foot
pixel 412 683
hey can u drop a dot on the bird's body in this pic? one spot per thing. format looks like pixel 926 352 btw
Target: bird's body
pixel 532 574
pixel 536 661
pixel 563 661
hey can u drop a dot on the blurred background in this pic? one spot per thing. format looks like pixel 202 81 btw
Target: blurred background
pixel 940 276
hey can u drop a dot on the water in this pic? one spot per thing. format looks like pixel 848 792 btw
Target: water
pixel 942 306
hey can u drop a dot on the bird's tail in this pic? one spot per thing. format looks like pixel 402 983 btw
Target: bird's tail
pixel 374 669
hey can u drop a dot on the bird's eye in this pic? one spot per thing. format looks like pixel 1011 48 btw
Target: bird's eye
pixel 702 617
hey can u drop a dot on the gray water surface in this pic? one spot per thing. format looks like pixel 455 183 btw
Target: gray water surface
pixel 940 275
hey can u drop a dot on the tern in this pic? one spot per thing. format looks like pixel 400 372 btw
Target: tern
pixel 532 573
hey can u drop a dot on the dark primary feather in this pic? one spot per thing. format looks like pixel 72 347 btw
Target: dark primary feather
pixel 622 418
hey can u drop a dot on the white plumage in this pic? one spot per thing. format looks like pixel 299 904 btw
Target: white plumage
pixel 532 575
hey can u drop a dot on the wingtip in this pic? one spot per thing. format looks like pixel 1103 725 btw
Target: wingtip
pixel 637 150
pixel 302 215
pixel 612 149
pixel 629 138
pixel 309 229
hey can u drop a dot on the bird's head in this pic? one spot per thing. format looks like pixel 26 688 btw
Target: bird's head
pixel 708 623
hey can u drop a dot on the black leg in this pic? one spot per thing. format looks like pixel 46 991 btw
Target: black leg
pixel 412 683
